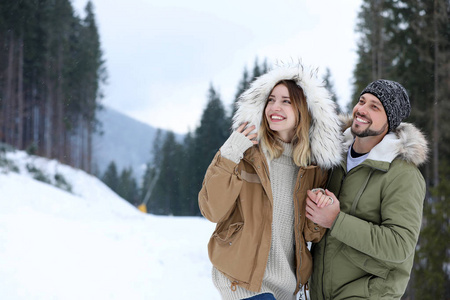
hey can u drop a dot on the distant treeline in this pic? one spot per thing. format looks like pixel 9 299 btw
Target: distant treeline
pixel 51 70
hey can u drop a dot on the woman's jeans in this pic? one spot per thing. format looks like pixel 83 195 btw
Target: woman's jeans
pixel 265 296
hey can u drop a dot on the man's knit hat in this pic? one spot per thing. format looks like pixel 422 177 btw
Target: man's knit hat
pixel 394 98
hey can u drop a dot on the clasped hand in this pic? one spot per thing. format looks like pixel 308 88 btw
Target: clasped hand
pixel 317 209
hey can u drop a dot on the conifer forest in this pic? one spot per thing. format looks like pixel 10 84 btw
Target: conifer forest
pixel 51 70
pixel 51 76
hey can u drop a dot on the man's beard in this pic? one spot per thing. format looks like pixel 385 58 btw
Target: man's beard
pixel 369 132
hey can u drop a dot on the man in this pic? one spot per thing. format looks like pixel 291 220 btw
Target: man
pixel 368 251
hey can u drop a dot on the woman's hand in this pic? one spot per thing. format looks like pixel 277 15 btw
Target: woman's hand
pixel 321 198
pixel 324 216
pixel 251 137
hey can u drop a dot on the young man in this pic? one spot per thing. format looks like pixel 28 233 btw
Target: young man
pixel 368 251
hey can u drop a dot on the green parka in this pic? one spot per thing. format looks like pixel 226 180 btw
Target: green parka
pixel 369 251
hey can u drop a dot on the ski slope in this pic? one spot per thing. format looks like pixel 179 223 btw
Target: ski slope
pixel 92 244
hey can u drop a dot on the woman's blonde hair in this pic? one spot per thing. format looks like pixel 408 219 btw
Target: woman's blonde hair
pixel 301 153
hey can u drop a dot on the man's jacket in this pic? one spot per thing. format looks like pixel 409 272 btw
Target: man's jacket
pixel 369 251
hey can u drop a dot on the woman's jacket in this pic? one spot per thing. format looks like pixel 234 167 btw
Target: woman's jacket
pixel 238 197
pixel 369 251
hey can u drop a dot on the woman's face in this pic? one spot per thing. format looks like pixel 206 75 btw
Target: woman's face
pixel 280 113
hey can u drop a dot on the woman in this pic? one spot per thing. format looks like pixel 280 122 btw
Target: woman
pixel 286 137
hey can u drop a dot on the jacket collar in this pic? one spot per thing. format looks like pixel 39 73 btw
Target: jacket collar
pixel 406 142
pixel 325 132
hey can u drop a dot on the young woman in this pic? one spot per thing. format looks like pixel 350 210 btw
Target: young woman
pixel 286 137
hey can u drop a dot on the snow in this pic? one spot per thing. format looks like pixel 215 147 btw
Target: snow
pixel 92 244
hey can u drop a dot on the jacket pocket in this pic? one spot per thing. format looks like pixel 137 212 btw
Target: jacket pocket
pixel 357 289
pixel 366 263
pixel 227 235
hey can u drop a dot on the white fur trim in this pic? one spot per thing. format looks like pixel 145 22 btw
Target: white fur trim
pixel 325 132
pixel 405 141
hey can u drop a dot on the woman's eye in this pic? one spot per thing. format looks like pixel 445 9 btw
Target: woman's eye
pixel 287 101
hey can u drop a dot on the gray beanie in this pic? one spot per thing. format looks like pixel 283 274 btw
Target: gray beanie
pixel 394 98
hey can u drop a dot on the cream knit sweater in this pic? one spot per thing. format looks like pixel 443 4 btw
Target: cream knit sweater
pixel 279 277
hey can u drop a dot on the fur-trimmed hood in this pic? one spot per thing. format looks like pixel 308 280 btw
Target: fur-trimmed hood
pixel 325 132
pixel 406 142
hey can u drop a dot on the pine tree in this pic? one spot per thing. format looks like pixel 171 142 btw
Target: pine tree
pixel 166 198
pixel 329 85
pixel 111 176
pixel 127 186
pixel 257 71
pixel 243 85
pixel 432 277
pixel 212 132
pixel 245 82
pixel 371 46
pixel 188 181
pixel 200 147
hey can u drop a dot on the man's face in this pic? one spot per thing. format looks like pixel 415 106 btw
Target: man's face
pixel 369 117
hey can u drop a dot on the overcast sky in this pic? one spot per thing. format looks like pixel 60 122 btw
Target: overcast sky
pixel 162 56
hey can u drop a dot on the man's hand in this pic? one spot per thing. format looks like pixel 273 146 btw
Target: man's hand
pixel 324 216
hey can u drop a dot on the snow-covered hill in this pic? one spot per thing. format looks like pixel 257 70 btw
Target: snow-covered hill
pixel 90 243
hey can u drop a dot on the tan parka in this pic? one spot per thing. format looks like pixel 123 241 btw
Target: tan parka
pixel 238 196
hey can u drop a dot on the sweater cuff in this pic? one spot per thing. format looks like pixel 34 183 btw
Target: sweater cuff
pixel 234 148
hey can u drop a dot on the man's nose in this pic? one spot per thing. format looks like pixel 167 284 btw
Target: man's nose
pixel 362 110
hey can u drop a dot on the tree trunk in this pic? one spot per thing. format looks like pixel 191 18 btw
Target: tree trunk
pixel 375 38
pixel 89 148
pixel 49 104
pixel 436 97
pixel 58 109
pixel 7 104
pixel 20 98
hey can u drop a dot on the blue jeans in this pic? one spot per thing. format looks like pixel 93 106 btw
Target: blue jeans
pixel 265 296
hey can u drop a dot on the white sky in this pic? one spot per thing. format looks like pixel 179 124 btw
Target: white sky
pixel 162 56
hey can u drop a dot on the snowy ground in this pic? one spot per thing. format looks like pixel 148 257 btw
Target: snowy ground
pixel 91 244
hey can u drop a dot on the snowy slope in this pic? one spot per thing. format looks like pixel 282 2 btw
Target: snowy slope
pixel 91 244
